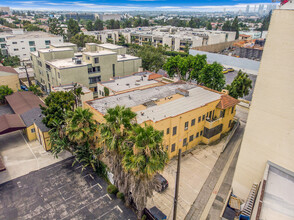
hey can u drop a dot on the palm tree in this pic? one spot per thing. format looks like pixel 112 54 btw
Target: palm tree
pixel 142 159
pixel 114 134
pixel 80 126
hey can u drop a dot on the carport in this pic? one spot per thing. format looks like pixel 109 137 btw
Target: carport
pixel 9 123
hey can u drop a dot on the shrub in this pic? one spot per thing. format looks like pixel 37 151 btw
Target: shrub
pixel 111 189
pixel 144 217
pixel 120 195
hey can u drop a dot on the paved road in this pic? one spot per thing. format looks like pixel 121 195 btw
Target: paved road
pixel 203 197
pixel 60 191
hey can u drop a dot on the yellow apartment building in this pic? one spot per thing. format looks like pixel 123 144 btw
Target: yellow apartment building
pixel 61 65
pixel 186 113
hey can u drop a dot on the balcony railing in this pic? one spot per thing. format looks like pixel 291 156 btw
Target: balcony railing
pixel 211 123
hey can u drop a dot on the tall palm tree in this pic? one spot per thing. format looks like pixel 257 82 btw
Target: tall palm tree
pixel 144 158
pixel 114 134
pixel 80 126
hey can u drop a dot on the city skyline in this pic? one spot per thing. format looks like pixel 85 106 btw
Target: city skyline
pixel 132 5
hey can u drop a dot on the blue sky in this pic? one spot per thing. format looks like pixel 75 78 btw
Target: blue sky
pixel 119 5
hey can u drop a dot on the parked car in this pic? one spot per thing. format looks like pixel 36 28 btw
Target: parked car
pixel 160 183
pixel 225 71
pixel 154 214
pixel 23 87
pixel 230 70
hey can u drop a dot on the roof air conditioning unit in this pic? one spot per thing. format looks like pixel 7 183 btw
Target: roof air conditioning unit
pixel 78 61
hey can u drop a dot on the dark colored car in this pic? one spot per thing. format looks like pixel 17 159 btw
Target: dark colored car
pixel 160 183
pixel 154 214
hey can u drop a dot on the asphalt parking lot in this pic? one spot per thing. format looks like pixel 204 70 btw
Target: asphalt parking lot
pixel 60 191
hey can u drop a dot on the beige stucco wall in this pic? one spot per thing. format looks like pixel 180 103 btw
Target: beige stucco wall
pixel 269 133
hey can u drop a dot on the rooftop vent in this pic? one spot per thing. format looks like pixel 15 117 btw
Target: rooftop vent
pixel 182 92
pixel 123 55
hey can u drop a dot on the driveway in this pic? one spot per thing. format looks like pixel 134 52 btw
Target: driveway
pixel 60 191
pixel 195 168
pixel 21 157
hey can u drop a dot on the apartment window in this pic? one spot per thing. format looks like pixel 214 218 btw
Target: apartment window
pixel 33 130
pixel 97 69
pixel 201 133
pixel 48 67
pixel 32 49
pixel 21 41
pixel 222 114
pixel 23 48
pixel 193 122
pixel 186 125
pixel 24 54
pixel 191 138
pixel 167 131
pixel 173 148
pixel 113 70
pixel 197 135
pixel 88 58
pixel 185 142
pixel 47 42
pixel 94 79
pixel 232 109
pixel 210 113
pixel 48 77
pixel 3 45
pixel 32 43
pixel 203 117
pixel 230 123
pixel 166 147
pixel 174 130
pixel 59 75
pixel 14 42
pixel 15 49
pixel 199 119
pixel 96 60
pixel 2 39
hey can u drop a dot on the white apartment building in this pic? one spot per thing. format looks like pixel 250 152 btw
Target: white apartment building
pixel 106 17
pixel 21 43
pixel 176 38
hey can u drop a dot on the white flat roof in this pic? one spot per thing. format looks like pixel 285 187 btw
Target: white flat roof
pixel 65 44
pixel 197 97
pixel 30 35
pixel 65 63
pixel 110 46
pixel 70 87
pixel 129 82
pixel 126 57
pixel 99 53
pixel 48 50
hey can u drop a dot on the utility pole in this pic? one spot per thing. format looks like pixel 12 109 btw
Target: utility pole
pixel 25 67
pixel 177 185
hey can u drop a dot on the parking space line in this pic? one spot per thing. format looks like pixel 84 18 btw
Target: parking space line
pixel 119 209
pixel 108 197
pixel 30 149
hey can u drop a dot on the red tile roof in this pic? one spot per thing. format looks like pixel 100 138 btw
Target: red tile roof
pixel 227 101
pixel 23 101
pixel 7 69
pixel 154 76
pixel 10 122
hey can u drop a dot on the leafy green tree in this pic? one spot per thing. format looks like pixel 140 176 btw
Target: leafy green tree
pixel 89 25
pixel 109 40
pixel 186 49
pixel 12 61
pixel 212 77
pixel 36 90
pixel 121 40
pixel 4 91
pixel 81 39
pixel 127 23
pixel 98 25
pixel 57 103
pixel 111 24
pixel 138 22
pixel 72 28
pixel 80 126
pixel 54 27
pixel 145 23
pixel 209 26
pixel 266 22
pixel 240 86
pixel 235 27
pixel 143 157
pixel 106 91
pixel 114 133
pixel 152 58
pixel 227 26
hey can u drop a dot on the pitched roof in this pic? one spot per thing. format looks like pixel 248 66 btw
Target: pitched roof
pixel 154 76
pixel 23 101
pixel 7 69
pixel 9 123
pixel 227 101
pixel 34 116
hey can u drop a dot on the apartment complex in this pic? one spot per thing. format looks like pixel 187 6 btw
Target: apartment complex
pixel 176 38
pixel 21 43
pixel 61 65
pixel 186 113
pixel 136 81
pixel 266 155
pixel 107 17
